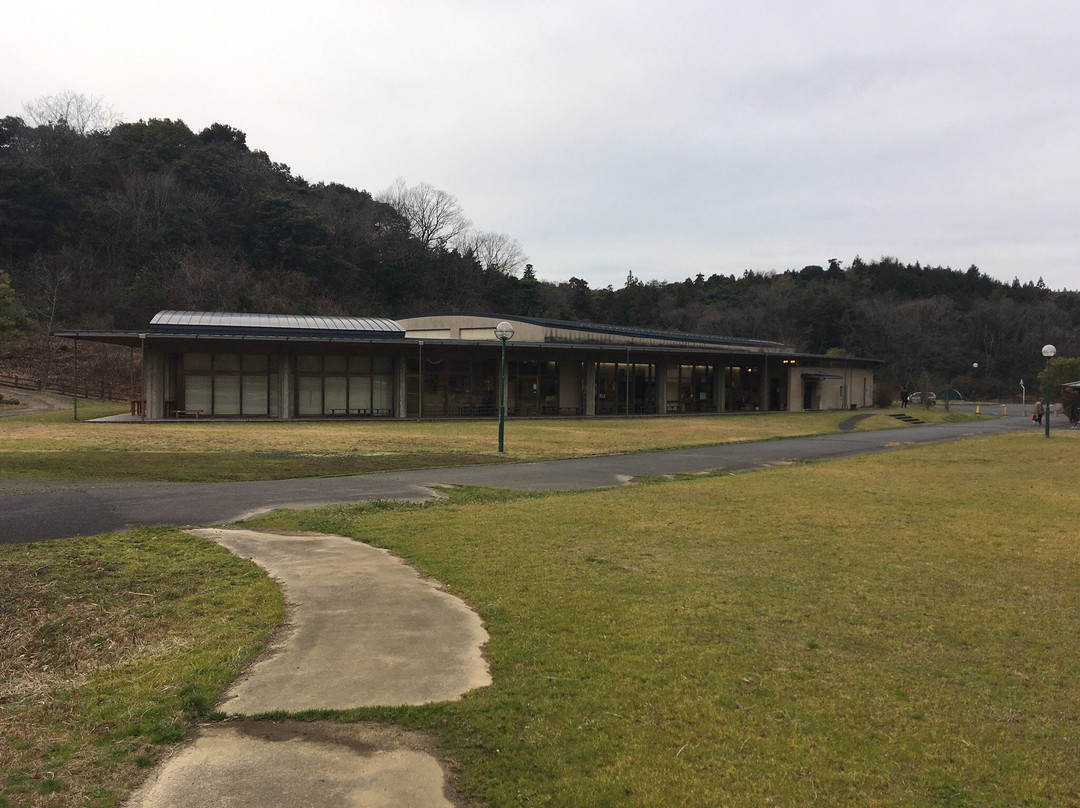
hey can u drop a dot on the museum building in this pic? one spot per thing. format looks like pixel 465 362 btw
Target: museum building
pixel 270 366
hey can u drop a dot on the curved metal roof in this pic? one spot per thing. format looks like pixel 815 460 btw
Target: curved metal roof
pixel 615 330
pixel 206 322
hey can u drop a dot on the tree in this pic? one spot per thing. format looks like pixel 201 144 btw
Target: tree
pixel 33 209
pixel 222 133
pixel 12 316
pixel 1059 370
pixel 495 252
pixel 435 217
pixel 82 114
pixel 580 298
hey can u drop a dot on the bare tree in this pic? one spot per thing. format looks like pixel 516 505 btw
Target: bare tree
pixel 496 251
pixel 81 113
pixel 435 217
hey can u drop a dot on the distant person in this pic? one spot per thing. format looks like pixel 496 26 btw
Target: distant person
pixel 903 398
pixel 1038 416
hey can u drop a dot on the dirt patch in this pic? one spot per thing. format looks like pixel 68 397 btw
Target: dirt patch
pixel 32 401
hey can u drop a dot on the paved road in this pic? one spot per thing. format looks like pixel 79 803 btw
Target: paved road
pixel 82 510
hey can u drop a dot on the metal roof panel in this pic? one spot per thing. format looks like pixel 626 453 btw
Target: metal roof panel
pixel 230 322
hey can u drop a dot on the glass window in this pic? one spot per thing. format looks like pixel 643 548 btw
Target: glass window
pixel 382 364
pixel 309 396
pixel 381 396
pixel 227 363
pixel 197 361
pixel 335 364
pixel 255 397
pixel 197 393
pixel 256 363
pixel 334 395
pixel 226 395
pixel 309 364
pixel 360 393
pixel 359 364
pixel 274 404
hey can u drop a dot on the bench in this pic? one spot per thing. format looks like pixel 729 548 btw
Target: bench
pixel 357 411
pixel 187 414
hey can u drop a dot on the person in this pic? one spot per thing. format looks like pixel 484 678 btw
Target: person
pixel 1039 411
pixel 903 398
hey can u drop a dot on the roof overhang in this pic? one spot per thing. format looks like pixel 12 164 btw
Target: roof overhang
pixel 172 328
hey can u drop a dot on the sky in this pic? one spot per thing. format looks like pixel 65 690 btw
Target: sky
pixel 662 139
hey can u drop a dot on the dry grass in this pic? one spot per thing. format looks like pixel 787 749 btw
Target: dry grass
pixel 111 647
pixel 53 446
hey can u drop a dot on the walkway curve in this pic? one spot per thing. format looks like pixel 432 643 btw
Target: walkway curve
pixel 84 509
pixel 364 629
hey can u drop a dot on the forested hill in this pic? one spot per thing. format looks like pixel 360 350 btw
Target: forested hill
pixel 101 229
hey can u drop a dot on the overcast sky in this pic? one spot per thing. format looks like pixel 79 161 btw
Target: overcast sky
pixel 665 139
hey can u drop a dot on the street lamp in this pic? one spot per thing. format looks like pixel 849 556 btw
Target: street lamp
pixel 503 331
pixel 1048 351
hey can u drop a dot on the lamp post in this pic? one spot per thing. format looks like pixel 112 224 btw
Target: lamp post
pixel 143 392
pixel 1048 351
pixel 503 331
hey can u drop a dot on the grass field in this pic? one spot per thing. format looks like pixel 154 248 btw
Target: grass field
pixel 895 630
pixel 890 630
pixel 54 446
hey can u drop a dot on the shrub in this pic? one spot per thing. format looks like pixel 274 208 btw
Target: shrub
pixel 885 393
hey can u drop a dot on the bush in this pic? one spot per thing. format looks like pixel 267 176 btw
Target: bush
pixel 885 393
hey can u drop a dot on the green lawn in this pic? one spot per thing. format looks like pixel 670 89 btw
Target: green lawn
pixel 895 630
pixel 891 630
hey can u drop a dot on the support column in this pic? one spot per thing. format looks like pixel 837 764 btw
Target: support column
pixel 401 385
pixel 764 394
pixel 663 371
pixel 720 387
pixel 287 398
pixel 570 386
pixel 153 387
pixel 590 387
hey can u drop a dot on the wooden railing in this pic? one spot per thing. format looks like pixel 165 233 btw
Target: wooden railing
pixel 100 390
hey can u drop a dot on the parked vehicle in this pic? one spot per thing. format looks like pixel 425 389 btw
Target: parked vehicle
pixel 917 398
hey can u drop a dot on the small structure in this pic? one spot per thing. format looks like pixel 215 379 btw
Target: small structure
pixel 217 365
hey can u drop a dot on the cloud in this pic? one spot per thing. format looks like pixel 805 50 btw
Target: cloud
pixel 664 139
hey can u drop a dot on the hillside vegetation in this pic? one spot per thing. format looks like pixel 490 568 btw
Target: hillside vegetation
pixel 103 227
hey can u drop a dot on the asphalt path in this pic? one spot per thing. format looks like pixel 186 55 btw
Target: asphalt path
pixel 74 509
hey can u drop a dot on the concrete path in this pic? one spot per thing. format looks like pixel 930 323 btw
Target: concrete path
pixel 364 629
